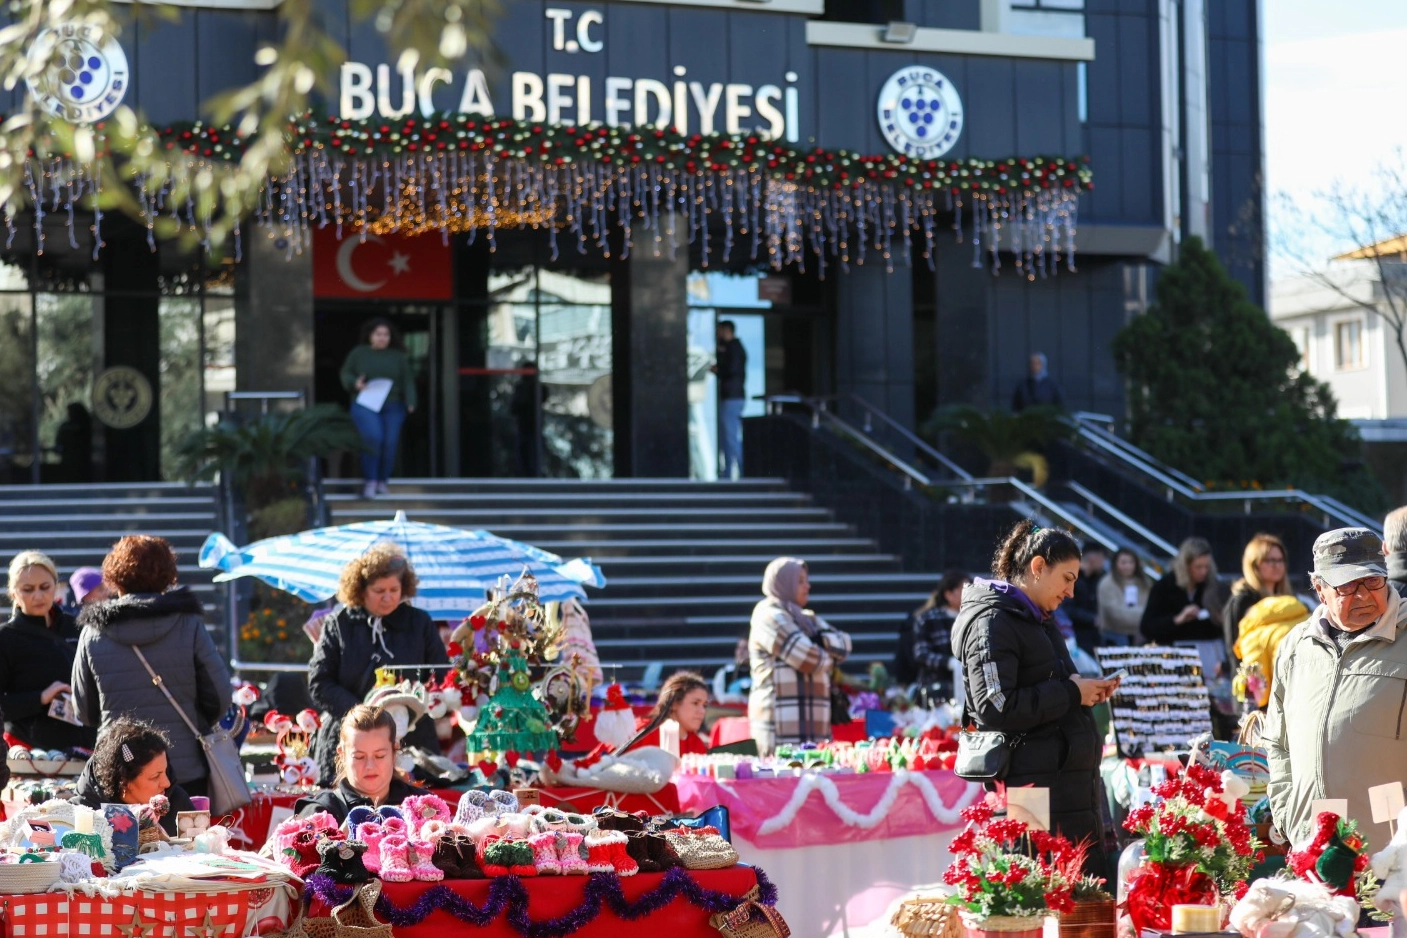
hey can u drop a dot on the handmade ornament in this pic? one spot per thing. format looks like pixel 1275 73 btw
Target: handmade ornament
pixel 293 737
pixel 1335 855
pixel 615 724
pixel 1390 866
pixel 1277 908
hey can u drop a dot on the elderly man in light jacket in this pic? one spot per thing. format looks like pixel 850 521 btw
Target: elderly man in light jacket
pixel 1337 720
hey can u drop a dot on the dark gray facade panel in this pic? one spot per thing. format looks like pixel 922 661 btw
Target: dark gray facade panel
pixel 167 92
pixel 989 128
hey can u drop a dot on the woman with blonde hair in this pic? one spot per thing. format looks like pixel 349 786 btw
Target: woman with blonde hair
pixel 37 647
pixel 1186 604
pixel 377 627
pixel 1264 572
pixel 366 767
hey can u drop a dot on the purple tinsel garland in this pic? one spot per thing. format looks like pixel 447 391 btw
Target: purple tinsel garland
pixel 508 892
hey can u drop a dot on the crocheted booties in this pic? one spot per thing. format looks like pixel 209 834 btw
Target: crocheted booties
pixel 322 821
pixel 388 811
pixel 454 855
pixel 395 859
pixel 651 851
pixel 482 830
pixel 518 826
pixel 418 809
pixel 605 853
pixel 296 844
pixel 609 819
pixel 359 815
pixel 545 854
pixel 420 854
pixel 508 857
pixel 571 853
pixel 371 833
pixel 342 860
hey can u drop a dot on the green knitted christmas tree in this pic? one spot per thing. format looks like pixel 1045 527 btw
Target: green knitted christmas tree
pixel 513 720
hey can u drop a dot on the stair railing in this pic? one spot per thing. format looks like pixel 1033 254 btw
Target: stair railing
pixel 1092 429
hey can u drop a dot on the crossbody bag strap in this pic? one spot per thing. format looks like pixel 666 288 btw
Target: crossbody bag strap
pixel 161 686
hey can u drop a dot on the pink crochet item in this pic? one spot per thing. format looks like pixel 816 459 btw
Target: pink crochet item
pixel 545 856
pixel 322 821
pixel 371 833
pixel 572 854
pixel 433 831
pixel 420 854
pixel 395 859
pixel 418 809
pixel 395 825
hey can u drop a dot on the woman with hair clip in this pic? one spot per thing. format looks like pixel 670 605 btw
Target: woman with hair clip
pixel 129 766
pixel 683 699
pixel 1021 681
pixel 366 767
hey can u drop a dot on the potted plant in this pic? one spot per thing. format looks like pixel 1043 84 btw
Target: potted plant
pixel 1008 877
pixel 1197 845
pixel 1010 442
pixel 1094 913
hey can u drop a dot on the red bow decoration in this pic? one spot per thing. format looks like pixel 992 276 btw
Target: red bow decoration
pixel 1156 888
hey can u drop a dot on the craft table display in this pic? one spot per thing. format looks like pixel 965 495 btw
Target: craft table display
pixel 676 904
pixel 840 848
pixel 250 826
pixel 256 910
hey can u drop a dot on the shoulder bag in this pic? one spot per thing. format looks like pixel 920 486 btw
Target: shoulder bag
pixel 984 755
pixel 228 790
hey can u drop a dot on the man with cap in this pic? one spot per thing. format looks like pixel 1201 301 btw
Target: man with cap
pixel 1337 720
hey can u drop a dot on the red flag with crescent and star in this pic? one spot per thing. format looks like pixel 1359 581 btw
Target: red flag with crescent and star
pixel 385 266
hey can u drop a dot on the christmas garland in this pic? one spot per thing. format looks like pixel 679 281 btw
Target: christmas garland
pixel 505 139
pixel 508 894
pixel 830 793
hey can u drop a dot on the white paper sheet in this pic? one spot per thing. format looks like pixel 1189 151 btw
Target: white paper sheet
pixel 373 396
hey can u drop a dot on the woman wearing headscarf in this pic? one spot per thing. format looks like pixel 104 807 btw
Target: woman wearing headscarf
pixel 792 651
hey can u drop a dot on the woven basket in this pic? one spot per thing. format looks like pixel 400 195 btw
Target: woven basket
pixel 355 918
pixel 1094 919
pixel 18 878
pixel 927 917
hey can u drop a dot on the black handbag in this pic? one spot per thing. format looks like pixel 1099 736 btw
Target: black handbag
pixel 984 755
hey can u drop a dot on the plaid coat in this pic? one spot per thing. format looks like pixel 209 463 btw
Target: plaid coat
pixel 790 700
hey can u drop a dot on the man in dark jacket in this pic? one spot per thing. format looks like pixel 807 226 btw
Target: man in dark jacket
pixel 1018 676
pixel 732 397
pixel 1038 388
pixel 1395 548
pixel 109 680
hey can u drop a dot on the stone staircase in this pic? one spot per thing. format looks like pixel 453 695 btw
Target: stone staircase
pixel 683 560
pixel 77 524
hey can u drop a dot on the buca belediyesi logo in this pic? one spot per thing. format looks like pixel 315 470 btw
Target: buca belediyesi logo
pixel 79 72
pixel 920 112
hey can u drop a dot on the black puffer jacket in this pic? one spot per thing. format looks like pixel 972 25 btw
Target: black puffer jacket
pixel 109 680
pixel 1017 671
pixel 33 655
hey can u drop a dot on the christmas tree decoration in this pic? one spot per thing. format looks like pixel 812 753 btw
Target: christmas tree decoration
pixel 663 191
pixel 500 645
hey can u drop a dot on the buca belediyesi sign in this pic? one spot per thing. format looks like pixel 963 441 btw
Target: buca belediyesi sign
pixel 686 104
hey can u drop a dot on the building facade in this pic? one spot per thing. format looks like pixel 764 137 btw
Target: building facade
pixel 541 353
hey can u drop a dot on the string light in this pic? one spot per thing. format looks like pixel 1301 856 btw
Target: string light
pixel 456 173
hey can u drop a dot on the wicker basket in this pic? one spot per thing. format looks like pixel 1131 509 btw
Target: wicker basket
pixel 18 878
pixel 928 917
pixel 1095 919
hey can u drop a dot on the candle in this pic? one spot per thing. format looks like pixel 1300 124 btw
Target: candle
pixel 1187 919
pixel 669 737
pixel 82 820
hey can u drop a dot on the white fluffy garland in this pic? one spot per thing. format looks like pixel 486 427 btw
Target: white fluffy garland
pixel 851 818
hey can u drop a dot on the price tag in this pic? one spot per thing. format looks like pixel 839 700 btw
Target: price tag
pixel 527 796
pixel 1387 802
pixel 1031 806
pixel 1337 806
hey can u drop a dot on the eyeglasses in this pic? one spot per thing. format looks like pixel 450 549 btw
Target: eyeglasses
pixel 1369 583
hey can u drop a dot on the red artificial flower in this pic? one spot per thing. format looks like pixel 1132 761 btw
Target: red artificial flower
pixel 963 843
pixel 977 813
pixel 1217 809
pixel 1007 829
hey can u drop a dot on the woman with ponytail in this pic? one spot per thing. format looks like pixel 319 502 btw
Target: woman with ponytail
pixel 1020 679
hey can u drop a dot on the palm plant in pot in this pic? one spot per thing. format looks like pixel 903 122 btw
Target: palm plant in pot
pixel 1008 877
pixel 1011 443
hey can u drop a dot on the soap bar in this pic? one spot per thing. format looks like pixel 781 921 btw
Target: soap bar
pixel 1187 919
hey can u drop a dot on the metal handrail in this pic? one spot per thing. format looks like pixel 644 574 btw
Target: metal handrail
pixel 1123 519
pixel 914 438
pixel 1332 509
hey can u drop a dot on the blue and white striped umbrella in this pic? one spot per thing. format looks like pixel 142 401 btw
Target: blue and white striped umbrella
pixel 456 568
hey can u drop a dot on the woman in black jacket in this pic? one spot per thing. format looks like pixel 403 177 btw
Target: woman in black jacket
pixel 1020 679
pixel 37 647
pixel 377 628
pixel 1186 604
pixel 366 767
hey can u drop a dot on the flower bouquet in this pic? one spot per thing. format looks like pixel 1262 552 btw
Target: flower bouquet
pixel 1197 847
pixel 1008 877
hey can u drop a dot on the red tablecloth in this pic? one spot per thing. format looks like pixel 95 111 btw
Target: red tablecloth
pixel 252 823
pixel 555 896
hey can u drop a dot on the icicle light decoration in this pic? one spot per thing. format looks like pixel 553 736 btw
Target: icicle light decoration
pixel 731 195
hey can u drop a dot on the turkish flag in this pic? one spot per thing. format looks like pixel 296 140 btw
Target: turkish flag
pixel 385 266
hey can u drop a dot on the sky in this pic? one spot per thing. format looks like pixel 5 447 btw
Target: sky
pixel 1332 104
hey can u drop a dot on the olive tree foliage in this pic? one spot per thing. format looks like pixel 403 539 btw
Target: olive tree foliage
pixel 126 147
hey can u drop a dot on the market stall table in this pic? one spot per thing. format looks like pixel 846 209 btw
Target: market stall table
pixel 839 847
pixel 251 910
pixel 677 904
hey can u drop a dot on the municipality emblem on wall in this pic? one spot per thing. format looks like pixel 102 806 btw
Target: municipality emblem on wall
pixel 920 112
pixel 79 72
pixel 122 397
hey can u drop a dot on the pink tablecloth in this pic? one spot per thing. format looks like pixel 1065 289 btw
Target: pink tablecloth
pixel 815 810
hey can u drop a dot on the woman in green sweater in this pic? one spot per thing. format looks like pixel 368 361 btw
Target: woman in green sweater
pixel 379 417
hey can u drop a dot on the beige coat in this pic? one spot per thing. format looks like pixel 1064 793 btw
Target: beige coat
pixel 1114 615
pixel 1337 725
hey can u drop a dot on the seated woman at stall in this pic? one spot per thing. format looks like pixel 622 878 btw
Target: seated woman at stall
pixel 366 767
pixel 683 699
pixel 129 766
pixel 377 628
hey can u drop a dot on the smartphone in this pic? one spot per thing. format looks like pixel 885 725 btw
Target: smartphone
pixel 1118 675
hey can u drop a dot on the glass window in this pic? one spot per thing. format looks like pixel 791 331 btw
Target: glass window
pixel 68 351
pixel 218 356
pixel 1348 345
pixel 182 399
pixel 574 363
